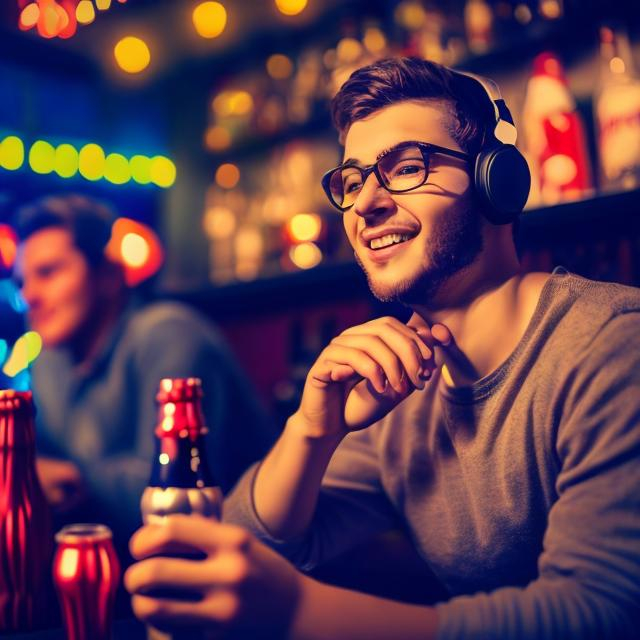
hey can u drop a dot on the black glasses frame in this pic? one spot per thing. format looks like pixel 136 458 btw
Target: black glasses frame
pixel 426 149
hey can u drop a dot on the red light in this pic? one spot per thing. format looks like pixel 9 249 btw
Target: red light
pixel 8 247
pixel 137 248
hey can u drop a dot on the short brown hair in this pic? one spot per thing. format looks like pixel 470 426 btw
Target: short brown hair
pixel 394 80
pixel 88 221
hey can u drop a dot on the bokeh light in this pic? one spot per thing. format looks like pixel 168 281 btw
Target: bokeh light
pixel 291 7
pixel 8 247
pixel 219 222
pixel 135 249
pixel 85 13
pixel 42 157
pixel 217 138
pixel 227 175
pixel 140 167
pixel 162 171
pixel 103 5
pixel 116 169
pixel 304 227
pixel 11 153
pixel 29 16
pixel 24 352
pixel 91 162
pixel 132 54
pixel 209 19
pixel 66 160
pixel 305 255
pixel 279 66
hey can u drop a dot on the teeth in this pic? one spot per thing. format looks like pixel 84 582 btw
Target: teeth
pixel 389 239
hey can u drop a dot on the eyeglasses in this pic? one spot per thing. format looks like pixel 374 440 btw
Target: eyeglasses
pixel 401 169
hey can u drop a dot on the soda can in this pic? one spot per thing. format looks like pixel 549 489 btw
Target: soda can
pixel 86 573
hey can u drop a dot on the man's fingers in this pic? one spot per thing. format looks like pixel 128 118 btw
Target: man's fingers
pixel 193 531
pixel 377 349
pixel 220 607
pixel 388 326
pixel 227 568
pixel 363 365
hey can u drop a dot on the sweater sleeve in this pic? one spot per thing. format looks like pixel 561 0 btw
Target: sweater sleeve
pixel 352 506
pixel 588 583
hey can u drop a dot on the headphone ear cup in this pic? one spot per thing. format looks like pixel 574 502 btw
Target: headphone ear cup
pixel 502 181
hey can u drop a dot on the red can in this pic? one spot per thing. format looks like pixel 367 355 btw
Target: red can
pixel 86 573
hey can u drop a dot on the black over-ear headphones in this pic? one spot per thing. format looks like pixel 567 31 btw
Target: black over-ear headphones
pixel 501 174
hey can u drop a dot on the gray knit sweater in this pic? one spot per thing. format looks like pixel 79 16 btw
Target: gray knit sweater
pixel 521 492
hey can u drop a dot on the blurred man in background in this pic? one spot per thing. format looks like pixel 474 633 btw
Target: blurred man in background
pixel 95 382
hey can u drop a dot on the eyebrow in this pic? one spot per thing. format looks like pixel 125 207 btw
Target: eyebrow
pixel 382 153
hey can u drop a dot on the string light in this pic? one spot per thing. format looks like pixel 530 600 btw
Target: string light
pixel 90 161
pixel 209 19
pixel 291 7
pixel 132 54
pixel 11 153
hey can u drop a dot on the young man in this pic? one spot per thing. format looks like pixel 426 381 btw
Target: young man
pixel 96 380
pixel 500 425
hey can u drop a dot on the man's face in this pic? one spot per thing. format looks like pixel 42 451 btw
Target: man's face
pixel 444 233
pixel 58 285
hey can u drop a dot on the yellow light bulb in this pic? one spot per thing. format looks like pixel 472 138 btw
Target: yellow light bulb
pixel 132 54
pixel 11 153
pixel 91 162
pixel 41 157
pixel 291 7
pixel 162 171
pixel 209 19
pixel 66 160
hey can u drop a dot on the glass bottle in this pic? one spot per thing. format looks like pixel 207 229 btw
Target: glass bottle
pixel 26 542
pixel 618 113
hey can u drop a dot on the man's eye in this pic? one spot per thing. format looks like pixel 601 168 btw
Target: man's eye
pixel 407 169
pixel 352 185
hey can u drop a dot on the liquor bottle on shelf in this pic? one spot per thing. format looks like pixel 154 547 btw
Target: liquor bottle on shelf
pixel 555 135
pixel 26 541
pixel 618 113
pixel 478 20
pixel 181 481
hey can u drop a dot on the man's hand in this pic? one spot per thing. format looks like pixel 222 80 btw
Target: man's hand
pixel 364 373
pixel 238 584
pixel 61 482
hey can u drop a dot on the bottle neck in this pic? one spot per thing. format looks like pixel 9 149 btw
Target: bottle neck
pixel 182 463
pixel 16 421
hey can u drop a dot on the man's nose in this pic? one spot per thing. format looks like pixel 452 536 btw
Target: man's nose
pixel 30 293
pixel 373 198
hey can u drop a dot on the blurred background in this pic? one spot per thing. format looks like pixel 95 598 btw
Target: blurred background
pixel 206 125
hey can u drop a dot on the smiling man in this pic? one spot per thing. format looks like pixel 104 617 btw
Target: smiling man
pixel 499 426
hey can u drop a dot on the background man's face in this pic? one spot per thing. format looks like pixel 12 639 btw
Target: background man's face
pixel 444 232
pixel 58 286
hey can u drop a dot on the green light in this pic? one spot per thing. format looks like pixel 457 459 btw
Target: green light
pixel 116 169
pixel 163 171
pixel 91 162
pixel 140 169
pixel 41 157
pixel 11 153
pixel 66 162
